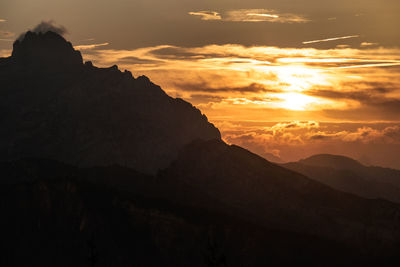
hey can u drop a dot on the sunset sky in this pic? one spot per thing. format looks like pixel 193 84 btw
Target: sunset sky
pixel 288 78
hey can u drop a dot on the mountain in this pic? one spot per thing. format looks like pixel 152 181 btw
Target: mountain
pixel 230 179
pixel 332 161
pixel 61 215
pixel 272 158
pixel 351 176
pixel 54 106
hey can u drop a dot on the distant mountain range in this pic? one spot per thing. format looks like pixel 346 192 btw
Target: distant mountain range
pixel 99 168
pixel 351 176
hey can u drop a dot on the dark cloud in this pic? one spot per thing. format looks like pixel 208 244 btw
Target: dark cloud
pixel 6 34
pixel 334 94
pixel 205 99
pixel 320 137
pixel 136 60
pixel 46 26
pixel 374 110
pixel 206 87
pixel 181 53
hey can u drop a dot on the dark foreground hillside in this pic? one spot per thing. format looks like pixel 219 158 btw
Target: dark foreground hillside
pixel 60 215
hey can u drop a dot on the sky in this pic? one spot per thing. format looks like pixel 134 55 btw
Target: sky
pixel 283 78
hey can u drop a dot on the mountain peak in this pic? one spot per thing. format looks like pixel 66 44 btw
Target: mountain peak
pixel 53 106
pixel 333 161
pixel 45 51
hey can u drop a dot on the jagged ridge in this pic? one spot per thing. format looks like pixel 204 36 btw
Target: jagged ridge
pixel 54 106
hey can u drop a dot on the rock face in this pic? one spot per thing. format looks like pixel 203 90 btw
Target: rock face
pixel 54 106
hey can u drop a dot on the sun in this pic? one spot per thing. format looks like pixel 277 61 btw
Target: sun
pixel 296 101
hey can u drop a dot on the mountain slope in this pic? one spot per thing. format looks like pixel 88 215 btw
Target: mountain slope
pixel 348 175
pixel 231 179
pixel 54 106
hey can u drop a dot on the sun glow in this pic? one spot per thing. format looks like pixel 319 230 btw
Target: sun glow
pixel 295 101
pixel 298 78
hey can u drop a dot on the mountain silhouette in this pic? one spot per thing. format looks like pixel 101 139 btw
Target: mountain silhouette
pixel 100 168
pixel 333 161
pixel 231 179
pixel 54 106
pixel 351 176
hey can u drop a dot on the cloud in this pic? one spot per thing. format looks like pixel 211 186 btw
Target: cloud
pixel 331 39
pixel 367 44
pixel 207 87
pixel 366 135
pixel 389 64
pixel 263 15
pixel 139 61
pixel 206 15
pixel 205 98
pixel 90 46
pixel 6 33
pixel 7 36
pixel 46 26
pixel 251 15
pixel 5 52
pixel 299 139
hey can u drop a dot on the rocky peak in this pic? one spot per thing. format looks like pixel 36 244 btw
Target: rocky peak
pixel 45 51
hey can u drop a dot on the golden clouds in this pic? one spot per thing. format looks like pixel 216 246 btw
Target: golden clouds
pixel 89 46
pixel 206 15
pixel 270 83
pixel 250 15
pixel 296 139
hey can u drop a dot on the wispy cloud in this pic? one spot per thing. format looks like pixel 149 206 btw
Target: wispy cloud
pixel 206 15
pixel 388 64
pixel 89 46
pixel 367 44
pixel 251 15
pixel 6 33
pixel 331 39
